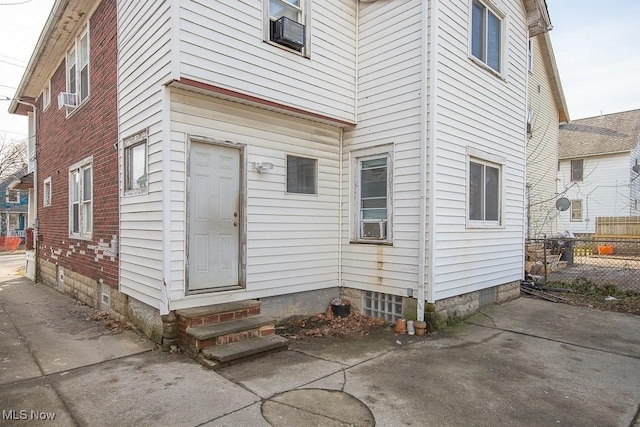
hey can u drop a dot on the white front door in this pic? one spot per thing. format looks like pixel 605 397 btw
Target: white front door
pixel 214 217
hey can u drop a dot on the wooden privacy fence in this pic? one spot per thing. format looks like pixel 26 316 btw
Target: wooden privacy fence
pixel 624 227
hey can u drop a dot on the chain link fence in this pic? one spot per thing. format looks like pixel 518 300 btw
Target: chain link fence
pixel 603 262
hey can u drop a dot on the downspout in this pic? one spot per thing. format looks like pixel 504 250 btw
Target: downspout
pixel 526 196
pixel 36 225
pixel 340 214
pixel 427 154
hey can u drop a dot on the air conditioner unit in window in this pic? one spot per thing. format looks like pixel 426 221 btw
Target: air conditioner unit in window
pixel 67 100
pixel 288 32
pixel 374 230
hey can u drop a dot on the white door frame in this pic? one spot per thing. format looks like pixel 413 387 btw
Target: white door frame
pixel 242 255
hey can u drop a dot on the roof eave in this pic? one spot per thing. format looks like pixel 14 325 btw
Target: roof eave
pixel 549 59
pixel 538 19
pixel 63 23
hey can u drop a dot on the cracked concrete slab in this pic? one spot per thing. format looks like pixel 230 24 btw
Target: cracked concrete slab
pixel 29 402
pixel 249 416
pixel 280 372
pixel 149 389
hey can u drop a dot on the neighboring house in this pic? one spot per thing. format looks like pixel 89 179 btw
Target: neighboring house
pixel 547 110
pixel 284 151
pixel 13 208
pixel 598 169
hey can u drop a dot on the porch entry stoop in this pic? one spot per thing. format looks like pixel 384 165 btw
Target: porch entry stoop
pixel 219 335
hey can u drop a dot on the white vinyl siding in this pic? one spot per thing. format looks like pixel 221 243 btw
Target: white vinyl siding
pixel 144 30
pixel 604 191
pixel 292 239
pixel 542 149
pixel 389 116
pixel 474 109
pixel 221 44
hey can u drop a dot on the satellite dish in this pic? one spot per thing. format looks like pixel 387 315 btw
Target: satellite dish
pixel 636 167
pixel 562 204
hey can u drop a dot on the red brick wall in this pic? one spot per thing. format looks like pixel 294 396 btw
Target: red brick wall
pixel 63 141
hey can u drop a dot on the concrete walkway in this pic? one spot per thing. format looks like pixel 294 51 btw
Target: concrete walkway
pixel 528 362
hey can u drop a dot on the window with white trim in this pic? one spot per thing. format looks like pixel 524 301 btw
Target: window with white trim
pixel 46 95
pixel 46 192
pixel 485 192
pixel 81 199
pixel 373 197
pixel 286 23
pixel 576 210
pixel 77 67
pixel 486 35
pixel 135 163
pixel 12 196
pixel 302 175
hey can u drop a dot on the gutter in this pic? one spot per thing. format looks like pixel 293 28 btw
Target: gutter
pixel 56 13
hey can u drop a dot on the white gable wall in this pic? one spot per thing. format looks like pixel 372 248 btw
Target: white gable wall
pixel 479 110
pixel 604 190
pixel 542 150
pixel 143 38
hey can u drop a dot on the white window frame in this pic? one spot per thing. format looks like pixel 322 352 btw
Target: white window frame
pixel 46 192
pixel 482 59
pixel 74 69
pixel 12 200
pixel 289 189
pixel 304 19
pixel 573 209
pixel 130 143
pixel 357 158
pixel 492 161
pixel 46 95
pixel 85 205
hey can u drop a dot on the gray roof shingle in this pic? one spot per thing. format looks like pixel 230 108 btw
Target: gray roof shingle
pixel 610 133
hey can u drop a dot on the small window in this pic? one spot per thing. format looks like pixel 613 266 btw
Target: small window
pixel 46 95
pixel 529 122
pixel 485 192
pixel 286 24
pixel 302 175
pixel 12 196
pixel 135 163
pixel 81 199
pixel 46 192
pixel 486 35
pixel 576 210
pixel 577 170
pixel 374 198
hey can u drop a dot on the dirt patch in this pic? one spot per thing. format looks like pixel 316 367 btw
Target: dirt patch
pixel 584 293
pixel 353 326
pixel 110 323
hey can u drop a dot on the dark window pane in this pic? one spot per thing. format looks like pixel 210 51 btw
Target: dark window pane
pixel 476 190
pixel 86 185
pixel 477 31
pixel 75 218
pixel 493 42
pixel 301 175
pixel 492 203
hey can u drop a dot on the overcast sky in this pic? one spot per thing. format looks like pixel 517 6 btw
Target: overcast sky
pixel 596 44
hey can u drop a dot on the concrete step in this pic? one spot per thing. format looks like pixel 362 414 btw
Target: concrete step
pixel 216 330
pixel 226 354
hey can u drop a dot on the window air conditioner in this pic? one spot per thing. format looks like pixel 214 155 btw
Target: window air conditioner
pixel 288 32
pixel 66 99
pixel 374 230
